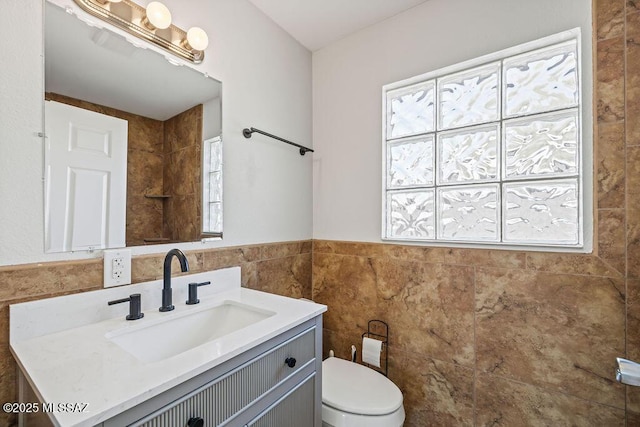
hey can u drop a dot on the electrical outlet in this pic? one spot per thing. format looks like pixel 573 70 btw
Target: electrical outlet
pixel 117 267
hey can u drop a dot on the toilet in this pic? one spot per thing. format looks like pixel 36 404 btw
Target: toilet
pixel 356 396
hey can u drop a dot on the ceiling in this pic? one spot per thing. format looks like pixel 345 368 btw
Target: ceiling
pixel 318 23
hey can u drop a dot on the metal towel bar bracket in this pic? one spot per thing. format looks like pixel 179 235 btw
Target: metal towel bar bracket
pixel 248 131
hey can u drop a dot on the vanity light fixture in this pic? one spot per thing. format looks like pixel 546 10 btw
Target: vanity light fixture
pixel 196 39
pixel 151 23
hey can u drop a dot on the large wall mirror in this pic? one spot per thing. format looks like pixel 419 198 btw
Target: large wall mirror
pixel 133 149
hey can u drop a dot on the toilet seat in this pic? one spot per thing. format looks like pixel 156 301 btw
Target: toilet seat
pixel 356 389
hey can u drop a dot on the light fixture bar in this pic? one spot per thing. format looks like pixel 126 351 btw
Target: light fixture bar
pixel 129 16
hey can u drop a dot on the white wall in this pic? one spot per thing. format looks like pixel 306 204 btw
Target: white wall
pixel 266 79
pixel 347 91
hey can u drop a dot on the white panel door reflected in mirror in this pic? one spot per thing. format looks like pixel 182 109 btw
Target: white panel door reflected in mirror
pixel 171 110
pixel 86 176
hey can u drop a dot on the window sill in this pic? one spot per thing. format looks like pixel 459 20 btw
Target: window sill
pixel 500 246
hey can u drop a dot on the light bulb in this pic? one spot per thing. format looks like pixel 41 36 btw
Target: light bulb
pixel 158 15
pixel 197 38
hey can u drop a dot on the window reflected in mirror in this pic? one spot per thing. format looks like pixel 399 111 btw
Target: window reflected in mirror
pixel 212 186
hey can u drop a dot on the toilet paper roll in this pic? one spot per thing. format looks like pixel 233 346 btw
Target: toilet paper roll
pixel 371 349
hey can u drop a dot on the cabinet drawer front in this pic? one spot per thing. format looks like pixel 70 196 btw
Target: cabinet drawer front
pixel 228 395
pixel 293 410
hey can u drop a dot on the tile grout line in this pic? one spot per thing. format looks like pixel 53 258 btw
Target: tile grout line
pixel 526 267
pixel 550 390
pixel 475 350
pixel 626 197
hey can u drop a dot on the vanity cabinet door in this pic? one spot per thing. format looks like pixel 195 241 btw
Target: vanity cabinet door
pixel 295 409
pixel 223 400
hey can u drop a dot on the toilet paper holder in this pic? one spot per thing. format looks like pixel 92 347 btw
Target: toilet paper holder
pixel 377 329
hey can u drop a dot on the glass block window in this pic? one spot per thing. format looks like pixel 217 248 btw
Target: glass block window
pixel 411 110
pixel 488 151
pixel 212 187
pixel 469 97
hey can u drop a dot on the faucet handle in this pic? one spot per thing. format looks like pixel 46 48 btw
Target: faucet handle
pixel 193 292
pixel 135 303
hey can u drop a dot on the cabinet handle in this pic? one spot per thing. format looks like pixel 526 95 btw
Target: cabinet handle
pixel 195 422
pixel 290 362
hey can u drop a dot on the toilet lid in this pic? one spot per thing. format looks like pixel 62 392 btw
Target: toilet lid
pixel 354 388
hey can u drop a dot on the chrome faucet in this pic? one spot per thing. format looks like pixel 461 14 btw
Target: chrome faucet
pixel 167 304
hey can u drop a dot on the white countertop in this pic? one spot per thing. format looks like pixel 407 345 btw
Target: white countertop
pixel 61 347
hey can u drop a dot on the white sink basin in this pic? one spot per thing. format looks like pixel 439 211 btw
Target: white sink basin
pixel 160 340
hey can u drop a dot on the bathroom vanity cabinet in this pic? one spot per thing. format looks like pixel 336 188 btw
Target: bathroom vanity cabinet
pixel 240 357
pixel 275 384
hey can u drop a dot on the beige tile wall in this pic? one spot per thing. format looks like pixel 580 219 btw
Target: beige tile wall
pixel 483 337
pixel 466 325
pixel 281 268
